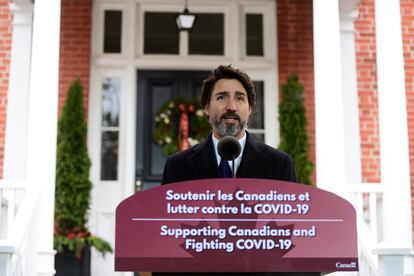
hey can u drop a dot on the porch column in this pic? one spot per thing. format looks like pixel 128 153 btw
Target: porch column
pixel 329 116
pixel 348 14
pixel 18 94
pixel 395 170
pixel 42 126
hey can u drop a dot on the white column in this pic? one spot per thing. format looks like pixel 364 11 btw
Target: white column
pixel 348 15
pixel 395 171
pixel 329 119
pixel 42 127
pixel 391 260
pixel 183 43
pixel 18 93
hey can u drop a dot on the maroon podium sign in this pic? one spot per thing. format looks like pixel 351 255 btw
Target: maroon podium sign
pixel 235 225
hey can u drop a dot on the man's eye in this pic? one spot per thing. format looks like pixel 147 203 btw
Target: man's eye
pixel 241 98
pixel 220 97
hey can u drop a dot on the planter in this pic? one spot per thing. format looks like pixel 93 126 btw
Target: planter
pixel 66 264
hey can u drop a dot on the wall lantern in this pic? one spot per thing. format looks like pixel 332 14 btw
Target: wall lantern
pixel 185 20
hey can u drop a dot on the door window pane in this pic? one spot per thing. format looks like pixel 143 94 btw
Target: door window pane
pixel 254 34
pixel 257 117
pixel 256 124
pixel 112 31
pixel 207 35
pixel 161 35
pixel 109 155
pixel 110 103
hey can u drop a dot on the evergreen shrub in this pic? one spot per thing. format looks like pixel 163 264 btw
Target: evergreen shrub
pixel 72 195
pixel 293 135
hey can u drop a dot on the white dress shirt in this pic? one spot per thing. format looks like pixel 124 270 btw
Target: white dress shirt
pixel 237 161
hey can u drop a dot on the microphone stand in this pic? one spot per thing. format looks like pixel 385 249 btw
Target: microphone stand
pixel 234 171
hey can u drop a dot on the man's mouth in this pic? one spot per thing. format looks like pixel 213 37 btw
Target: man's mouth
pixel 230 117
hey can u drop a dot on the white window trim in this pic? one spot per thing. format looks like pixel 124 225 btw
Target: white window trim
pixel 95 122
pixel 224 8
pixel 98 31
pixel 269 37
pixel 126 65
pixel 133 29
pixel 270 104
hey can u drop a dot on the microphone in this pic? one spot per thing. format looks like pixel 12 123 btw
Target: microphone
pixel 229 148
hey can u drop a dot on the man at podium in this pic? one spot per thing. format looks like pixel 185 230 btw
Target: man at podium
pixel 228 98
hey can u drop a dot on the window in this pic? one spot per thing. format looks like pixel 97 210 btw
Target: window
pixel 207 35
pixel 254 34
pixel 110 128
pixel 161 35
pixel 112 31
pixel 256 124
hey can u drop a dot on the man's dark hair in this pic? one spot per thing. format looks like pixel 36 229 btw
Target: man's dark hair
pixel 227 72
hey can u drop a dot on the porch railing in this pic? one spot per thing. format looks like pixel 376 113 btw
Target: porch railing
pixel 18 201
pixel 367 200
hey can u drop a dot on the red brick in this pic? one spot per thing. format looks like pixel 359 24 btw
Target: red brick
pixel 407 10
pixel 366 76
pixel 295 52
pixel 75 41
pixel 5 47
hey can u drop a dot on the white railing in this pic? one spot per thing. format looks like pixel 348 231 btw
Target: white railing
pixel 18 201
pixel 367 200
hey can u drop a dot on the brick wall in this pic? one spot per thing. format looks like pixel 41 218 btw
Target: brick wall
pixel 407 22
pixel 295 51
pixel 367 90
pixel 75 43
pixel 5 49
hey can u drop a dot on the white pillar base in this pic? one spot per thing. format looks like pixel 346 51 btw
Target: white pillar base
pixel 391 258
pixel 46 261
pixel 5 263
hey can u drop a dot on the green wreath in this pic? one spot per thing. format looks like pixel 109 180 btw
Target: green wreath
pixel 167 124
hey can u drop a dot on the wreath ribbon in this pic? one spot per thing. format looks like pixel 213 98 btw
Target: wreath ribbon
pixel 183 129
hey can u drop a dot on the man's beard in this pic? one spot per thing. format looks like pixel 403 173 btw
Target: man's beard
pixel 227 129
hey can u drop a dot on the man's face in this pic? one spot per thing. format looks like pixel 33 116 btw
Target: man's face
pixel 229 108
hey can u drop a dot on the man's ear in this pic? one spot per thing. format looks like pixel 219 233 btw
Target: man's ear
pixel 206 111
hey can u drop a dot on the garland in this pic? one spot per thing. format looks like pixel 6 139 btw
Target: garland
pixel 179 124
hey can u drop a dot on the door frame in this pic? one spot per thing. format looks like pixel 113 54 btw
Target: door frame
pixel 107 194
pixel 151 76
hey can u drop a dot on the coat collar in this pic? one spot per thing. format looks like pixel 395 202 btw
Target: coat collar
pixel 203 163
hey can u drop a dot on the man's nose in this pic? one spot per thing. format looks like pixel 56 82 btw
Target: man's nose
pixel 231 104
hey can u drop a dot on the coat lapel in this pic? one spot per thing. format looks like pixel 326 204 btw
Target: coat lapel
pixel 252 163
pixel 203 160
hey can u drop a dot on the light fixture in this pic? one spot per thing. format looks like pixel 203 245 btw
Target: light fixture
pixel 185 20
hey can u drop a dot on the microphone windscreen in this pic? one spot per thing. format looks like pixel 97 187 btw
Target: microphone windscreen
pixel 228 148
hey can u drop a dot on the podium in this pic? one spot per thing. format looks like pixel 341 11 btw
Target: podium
pixel 236 225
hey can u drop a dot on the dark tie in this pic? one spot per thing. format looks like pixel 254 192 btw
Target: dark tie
pixel 224 169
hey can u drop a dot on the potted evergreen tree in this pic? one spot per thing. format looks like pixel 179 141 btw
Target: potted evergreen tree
pixel 72 239
pixel 293 135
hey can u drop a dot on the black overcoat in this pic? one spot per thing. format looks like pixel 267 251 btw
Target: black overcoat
pixel 258 161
